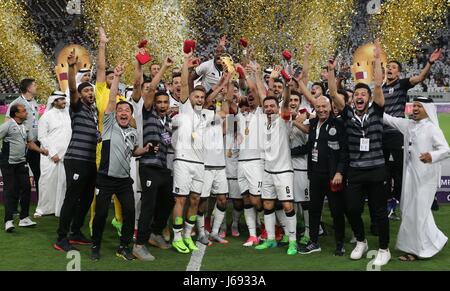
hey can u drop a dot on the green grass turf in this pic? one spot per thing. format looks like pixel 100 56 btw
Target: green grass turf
pixel 31 249
pixel 444 123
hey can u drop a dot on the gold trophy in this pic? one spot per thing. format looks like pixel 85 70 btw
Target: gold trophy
pixel 363 60
pixel 62 69
pixel 228 65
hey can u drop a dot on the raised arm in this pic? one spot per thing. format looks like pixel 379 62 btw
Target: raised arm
pixel 225 108
pixel 259 98
pixel 307 94
pixel 114 90
pixel 286 97
pixel 138 80
pixel 101 57
pixel 185 78
pixel 150 95
pixel 378 96
pixel 401 124
pixel 414 80
pixel 71 61
pixel 275 74
pixel 338 100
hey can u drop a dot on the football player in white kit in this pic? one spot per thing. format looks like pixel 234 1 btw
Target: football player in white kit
pixel 188 165
pixel 250 161
pixel 278 170
pixel 301 183
pixel 215 178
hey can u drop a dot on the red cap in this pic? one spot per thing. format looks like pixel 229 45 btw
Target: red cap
pixel 188 46
pixel 285 76
pixel 287 55
pixel 243 42
pixel 143 43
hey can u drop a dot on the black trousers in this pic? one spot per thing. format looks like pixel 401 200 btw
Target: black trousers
pixel 370 182
pixel 156 201
pixel 16 186
pixel 123 188
pixel 34 161
pixel 394 172
pixel 80 180
pixel 319 187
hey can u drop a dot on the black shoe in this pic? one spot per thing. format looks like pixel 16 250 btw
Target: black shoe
pixel 435 205
pixel 79 239
pixel 125 253
pixel 309 248
pixel 64 246
pixel 95 253
pixel 374 229
pixel 340 251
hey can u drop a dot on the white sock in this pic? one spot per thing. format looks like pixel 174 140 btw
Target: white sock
pixel 306 220
pixel 236 216
pixel 218 219
pixel 269 221
pixel 250 220
pixel 177 234
pixel 201 225
pixel 281 216
pixel 291 225
pixel 188 229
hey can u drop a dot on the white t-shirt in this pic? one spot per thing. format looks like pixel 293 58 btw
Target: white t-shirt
pixel 187 137
pixel 214 155
pixel 209 73
pixel 277 153
pixel 250 131
pixel 299 138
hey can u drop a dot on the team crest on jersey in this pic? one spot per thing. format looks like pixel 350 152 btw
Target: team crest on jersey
pixel 391 90
pixel 332 131
pixel 148 183
pixel 177 190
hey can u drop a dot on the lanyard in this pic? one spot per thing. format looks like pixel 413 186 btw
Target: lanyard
pixel 22 130
pixel 365 116
pixel 319 125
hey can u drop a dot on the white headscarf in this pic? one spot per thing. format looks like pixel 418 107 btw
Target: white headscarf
pixel 55 95
pixel 80 75
pixel 430 108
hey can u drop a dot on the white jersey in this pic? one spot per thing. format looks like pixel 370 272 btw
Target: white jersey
pixel 209 74
pixel 251 133
pixel 214 155
pixel 298 138
pixel 174 102
pixel 189 126
pixel 277 152
pixel 231 145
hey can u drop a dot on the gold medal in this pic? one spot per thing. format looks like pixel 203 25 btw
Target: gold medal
pixel 229 153
pixel 247 131
pixel 194 135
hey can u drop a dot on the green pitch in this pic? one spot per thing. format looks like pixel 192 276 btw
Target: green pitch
pixel 31 249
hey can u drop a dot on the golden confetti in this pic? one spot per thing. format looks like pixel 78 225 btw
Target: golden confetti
pixel 404 26
pixel 272 26
pixel 20 55
pixel 127 22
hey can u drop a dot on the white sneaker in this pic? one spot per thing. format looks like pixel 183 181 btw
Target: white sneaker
pixel 9 226
pixel 383 257
pixel 360 249
pixel 26 222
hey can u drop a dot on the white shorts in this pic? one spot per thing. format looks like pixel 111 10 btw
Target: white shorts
pixel 233 187
pixel 214 182
pixel 301 186
pixel 278 186
pixel 188 177
pixel 250 176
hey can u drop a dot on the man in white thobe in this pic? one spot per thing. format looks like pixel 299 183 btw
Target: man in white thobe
pixel 425 147
pixel 54 133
